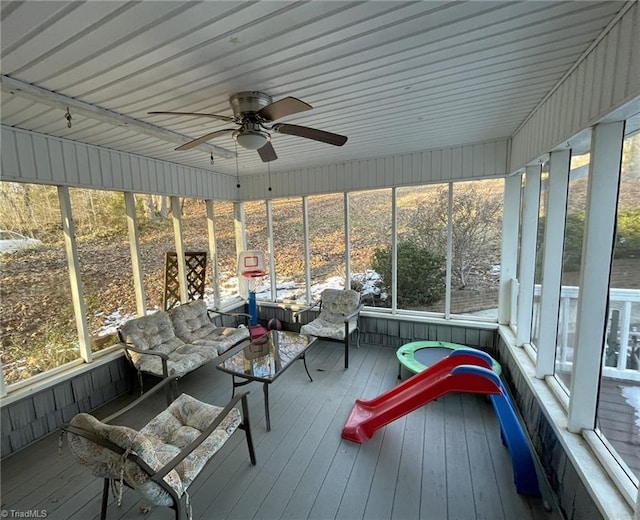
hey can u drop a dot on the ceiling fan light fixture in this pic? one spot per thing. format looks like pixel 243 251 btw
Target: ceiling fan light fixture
pixel 251 139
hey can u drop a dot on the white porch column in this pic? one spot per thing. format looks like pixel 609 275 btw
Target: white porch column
pixel 394 251
pixel 79 308
pixel 529 236
pixel 347 242
pixel 134 247
pixel 449 260
pixel 3 386
pixel 509 254
pixel 552 261
pixel 272 255
pixel 176 217
pixel 213 252
pixel 597 251
pixel 241 245
pixel 307 252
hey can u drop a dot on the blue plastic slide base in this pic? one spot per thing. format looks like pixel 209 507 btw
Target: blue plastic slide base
pixel 524 470
pixel 512 434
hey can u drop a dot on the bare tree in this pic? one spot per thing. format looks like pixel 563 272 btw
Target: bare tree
pixel 477 222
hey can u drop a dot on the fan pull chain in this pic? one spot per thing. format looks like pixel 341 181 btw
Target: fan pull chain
pixel 237 167
pixel 68 117
pixel 269 173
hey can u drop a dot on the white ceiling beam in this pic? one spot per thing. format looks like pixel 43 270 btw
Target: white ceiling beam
pixel 55 100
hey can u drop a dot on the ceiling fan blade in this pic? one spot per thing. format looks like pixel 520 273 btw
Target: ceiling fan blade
pixel 203 139
pixel 214 116
pixel 267 153
pixel 310 133
pixel 282 108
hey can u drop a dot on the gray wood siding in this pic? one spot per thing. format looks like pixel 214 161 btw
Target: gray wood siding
pixel 606 78
pixel 475 161
pixel 394 332
pixel 42 159
pixel 36 158
pixel 33 417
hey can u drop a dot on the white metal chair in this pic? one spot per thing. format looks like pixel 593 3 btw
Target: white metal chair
pixel 338 318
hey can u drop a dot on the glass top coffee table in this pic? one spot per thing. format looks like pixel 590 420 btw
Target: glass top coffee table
pixel 264 359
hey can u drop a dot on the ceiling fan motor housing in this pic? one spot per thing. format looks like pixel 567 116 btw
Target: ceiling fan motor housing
pixel 248 102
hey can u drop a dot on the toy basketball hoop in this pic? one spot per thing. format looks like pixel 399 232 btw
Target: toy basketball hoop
pixel 251 265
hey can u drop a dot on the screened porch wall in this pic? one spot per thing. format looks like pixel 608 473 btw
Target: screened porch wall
pixel 45 407
pixel 571 493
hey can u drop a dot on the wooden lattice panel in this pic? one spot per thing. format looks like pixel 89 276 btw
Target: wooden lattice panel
pixel 196 266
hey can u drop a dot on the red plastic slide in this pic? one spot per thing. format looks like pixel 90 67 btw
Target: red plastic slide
pixel 459 372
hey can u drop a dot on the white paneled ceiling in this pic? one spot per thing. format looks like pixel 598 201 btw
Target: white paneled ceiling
pixel 392 76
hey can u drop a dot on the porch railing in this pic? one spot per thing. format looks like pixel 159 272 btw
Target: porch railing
pixel 621 355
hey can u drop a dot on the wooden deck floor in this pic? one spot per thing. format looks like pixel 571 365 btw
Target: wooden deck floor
pixel 617 421
pixel 443 461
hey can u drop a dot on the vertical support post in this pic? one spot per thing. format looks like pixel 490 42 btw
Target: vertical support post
pixel 528 240
pixel 552 262
pixel 597 252
pixel 509 253
pixel 213 252
pixel 272 256
pixel 134 246
pixel 447 293
pixel 3 386
pixel 79 308
pixel 307 255
pixel 347 242
pixel 394 251
pixel 241 244
pixel 625 327
pixel 176 217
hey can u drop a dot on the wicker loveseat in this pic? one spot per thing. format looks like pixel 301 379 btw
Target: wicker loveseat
pixel 176 343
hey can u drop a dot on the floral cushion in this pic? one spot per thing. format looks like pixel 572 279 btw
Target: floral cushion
pixel 182 360
pixel 327 329
pixel 151 332
pixel 154 332
pixel 157 443
pixel 336 305
pixel 191 321
pixel 192 324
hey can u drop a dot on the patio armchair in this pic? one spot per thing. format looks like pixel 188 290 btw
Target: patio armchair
pixel 161 460
pixel 339 311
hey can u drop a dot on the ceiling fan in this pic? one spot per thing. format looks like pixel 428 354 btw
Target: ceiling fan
pixel 254 111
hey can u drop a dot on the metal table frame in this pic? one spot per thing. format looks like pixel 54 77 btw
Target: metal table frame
pixel 249 378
